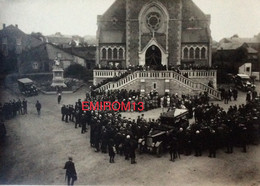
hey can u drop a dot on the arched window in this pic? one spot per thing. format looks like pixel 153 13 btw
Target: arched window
pixel 197 53
pixel 191 53
pixel 104 53
pixel 186 53
pixel 109 53
pixel 121 53
pixel 115 53
pixel 203 53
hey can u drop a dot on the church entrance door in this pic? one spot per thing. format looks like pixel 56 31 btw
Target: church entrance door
pixel 153 57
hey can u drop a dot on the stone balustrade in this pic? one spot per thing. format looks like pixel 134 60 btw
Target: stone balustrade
pixel 189 83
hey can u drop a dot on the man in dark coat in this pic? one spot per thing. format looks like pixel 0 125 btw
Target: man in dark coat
pixel 67 114
pixel 212 143
pixel 83 124
pixel 197 143
pixel 63 112
pixel 24 103
pixel 71 174
pixel 38 107
pixel 235 92
pixel 133 145
pixel 59 98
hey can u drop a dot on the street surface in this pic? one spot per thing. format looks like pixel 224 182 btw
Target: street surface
pixel 37 148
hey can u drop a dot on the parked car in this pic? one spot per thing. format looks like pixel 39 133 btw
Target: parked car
pixel 243 82
pixel 27 87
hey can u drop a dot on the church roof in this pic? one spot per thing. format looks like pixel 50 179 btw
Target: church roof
pixel 117 9
pixel 195 35
pixel 112 36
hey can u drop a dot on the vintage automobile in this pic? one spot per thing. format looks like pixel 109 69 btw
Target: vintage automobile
pixel 243 82
pixel 158 139
pixel 27 87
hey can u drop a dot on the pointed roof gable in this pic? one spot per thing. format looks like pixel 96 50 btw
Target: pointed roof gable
pixel 117 9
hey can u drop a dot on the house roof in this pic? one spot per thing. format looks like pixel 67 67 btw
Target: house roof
pixel 251 50
pixel 46 51
pixel 12 33
pixel 88 53
pixel 58 40
pixel 25 80
pixel 229 46
pixel 195 35
pixel 112 36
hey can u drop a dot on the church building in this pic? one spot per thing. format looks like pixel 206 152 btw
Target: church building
pixel 152 33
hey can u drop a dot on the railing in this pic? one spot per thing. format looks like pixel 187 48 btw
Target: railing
pixel 191 73
pixel 107 73
pixel 199 73
pixel 121 82
pixel 161 75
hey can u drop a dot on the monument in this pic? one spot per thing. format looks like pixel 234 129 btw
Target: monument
pixel 58 79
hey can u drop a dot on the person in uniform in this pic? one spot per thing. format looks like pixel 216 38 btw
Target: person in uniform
pixel 71 174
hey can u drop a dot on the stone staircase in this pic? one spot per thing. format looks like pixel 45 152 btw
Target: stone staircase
pixel 139 76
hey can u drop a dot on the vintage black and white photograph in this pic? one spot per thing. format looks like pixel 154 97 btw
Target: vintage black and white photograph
pixel 130 92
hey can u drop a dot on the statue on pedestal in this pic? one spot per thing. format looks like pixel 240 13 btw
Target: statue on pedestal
pixel 58 79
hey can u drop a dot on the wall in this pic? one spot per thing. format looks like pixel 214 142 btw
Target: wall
pixel 147 85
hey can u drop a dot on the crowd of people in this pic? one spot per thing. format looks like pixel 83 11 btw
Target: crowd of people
pixel 213 128
pixel 11 109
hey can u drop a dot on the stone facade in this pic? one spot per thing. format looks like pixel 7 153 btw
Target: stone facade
pixel 168 25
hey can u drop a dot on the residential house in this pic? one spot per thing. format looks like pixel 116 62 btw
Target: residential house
pixel 235 51
pixel 88 53
pixel 13 43
pixel 42 57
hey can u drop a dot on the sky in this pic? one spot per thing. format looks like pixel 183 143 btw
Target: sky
pixel 78 17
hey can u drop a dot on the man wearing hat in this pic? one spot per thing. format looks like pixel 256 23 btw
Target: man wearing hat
pixel 71 174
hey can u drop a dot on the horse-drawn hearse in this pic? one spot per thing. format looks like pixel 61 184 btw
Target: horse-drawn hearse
pixel 159 138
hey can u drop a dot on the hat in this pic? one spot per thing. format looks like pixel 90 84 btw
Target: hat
pixel 197 131
pixel 128 137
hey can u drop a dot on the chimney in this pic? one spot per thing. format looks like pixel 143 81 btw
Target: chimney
pixel 3 25
pixel 16 25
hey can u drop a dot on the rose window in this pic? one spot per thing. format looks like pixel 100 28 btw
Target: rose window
pixel 153 20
